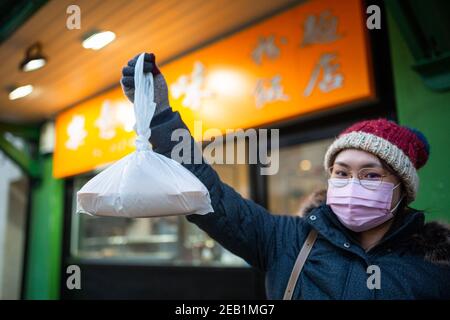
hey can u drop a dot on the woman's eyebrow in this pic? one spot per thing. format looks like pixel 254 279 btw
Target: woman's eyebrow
pixel 342 164
pixel 365 165
pixel 372 165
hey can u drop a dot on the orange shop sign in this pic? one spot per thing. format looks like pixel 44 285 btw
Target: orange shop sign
pixel 312 57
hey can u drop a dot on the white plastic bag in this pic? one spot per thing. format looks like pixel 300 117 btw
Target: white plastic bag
pixel 144 183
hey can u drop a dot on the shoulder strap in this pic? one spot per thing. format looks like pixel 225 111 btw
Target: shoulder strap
pixel 301 259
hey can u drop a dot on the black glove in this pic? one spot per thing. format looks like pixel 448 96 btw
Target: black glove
pixel 160 85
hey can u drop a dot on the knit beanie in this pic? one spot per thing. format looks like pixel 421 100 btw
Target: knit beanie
pixel 404 149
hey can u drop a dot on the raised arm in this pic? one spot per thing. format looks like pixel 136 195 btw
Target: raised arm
pixel 240 225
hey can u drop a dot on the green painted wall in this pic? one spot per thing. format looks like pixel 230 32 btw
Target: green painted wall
pixel 45 237
pixel 428 111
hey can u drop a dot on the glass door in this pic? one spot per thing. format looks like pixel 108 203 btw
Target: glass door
pixel 301 174
pixel 14 190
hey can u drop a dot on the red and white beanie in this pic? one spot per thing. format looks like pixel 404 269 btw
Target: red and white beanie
pixel 404 149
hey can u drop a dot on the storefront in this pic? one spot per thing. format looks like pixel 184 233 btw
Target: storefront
pixel 307 71
pixel 14 201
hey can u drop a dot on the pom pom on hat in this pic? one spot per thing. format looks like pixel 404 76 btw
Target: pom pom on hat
pixel 425 143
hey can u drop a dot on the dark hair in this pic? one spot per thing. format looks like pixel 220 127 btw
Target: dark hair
pixel 403 209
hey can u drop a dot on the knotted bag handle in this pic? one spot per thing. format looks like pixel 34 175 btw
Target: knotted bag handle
pixel 144 104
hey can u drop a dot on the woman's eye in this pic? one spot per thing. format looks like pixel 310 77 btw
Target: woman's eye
pixel 341 173
pixel 372 175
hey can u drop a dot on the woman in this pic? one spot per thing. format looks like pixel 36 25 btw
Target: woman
pixel 365 224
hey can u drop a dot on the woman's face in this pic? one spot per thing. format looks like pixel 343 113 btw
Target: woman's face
pixel 353 160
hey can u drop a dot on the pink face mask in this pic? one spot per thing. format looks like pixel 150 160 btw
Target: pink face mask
pixel 358 208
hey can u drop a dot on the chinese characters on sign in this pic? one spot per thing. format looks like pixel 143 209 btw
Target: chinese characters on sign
pixel 76 133
pixel 266 47
pixel 321 29
pixel 269 90
pixel 93 134
pixel 330 78
pixel 114 116
pixel 111 118
pixel 318 30
pixel 191 87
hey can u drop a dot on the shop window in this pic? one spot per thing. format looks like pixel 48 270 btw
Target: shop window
pixel 300 173
pixel 163 241
pixel 13 208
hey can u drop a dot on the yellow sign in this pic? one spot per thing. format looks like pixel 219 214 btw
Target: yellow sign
pixel 312 57
pixel 309 58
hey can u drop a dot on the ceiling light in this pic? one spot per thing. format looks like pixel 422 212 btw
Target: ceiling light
pixel 20 92
pixel 97 40
pixel 34 59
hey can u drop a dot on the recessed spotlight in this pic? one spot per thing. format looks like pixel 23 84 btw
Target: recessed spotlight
pixel 20 92
pixel 34 59
pixel 97 40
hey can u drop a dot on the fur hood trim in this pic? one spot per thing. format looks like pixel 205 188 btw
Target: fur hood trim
pixel 432 240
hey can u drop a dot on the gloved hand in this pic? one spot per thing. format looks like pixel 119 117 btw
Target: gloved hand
pixel 160 85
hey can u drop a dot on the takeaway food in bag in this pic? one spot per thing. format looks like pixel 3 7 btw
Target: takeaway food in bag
pixel 144 183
